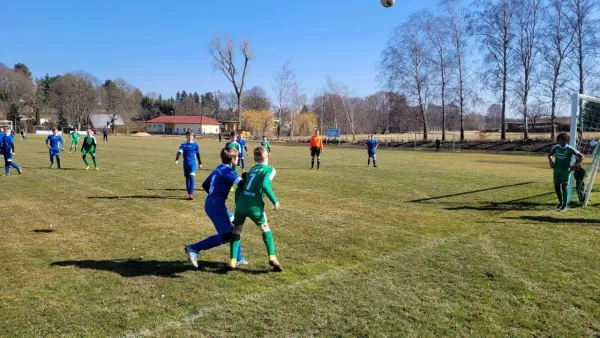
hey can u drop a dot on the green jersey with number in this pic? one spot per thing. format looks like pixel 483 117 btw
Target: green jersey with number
pixel 266 145
pixel 233 144
pixel 563 156
pixel 74 136
pixel 251 195
pixel 89 144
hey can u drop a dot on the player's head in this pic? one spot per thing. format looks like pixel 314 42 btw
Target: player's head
pixel 54 131
pixel 229 156
pixel 371 137
pixel 563 139
pixel 317 132
pixel 7 131
pixel 90 132
pixel 260 155
pixel 189 135
pixel 264 137
pixel 232 136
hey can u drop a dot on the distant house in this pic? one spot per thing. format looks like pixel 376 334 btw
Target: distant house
pixel 99 121
pixel 228 126
pixel 178 125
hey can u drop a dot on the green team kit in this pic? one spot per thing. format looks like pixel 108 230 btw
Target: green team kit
pixel 562 163
pixel 266 145
pixel 74 136
pixel 89 147
pixel 249 198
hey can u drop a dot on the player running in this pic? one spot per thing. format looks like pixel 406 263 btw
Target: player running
pixel 316 148
pixel 89 147
pixel 371 145
pixel 233 144
pixel 563 153
pixel 265 144
pixel 191 153
pixel 217 185
pixel 243 150
pixel 52 142
pixel 7 148
pixel 249 203
pixel 74 136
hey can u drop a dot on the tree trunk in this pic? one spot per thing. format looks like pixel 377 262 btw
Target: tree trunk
pixel 443 108
pixel 553 108
pixel 503 118
pixel 525 127
pixel 239 107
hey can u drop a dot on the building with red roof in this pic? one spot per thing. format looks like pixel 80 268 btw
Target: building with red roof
pixel 178 125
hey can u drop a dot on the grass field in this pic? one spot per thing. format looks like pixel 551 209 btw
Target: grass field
pixel 426 245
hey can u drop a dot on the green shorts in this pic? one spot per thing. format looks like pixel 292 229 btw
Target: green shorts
pixel 75 142
pixel 561 176
pixel 257 216
pixel 91 152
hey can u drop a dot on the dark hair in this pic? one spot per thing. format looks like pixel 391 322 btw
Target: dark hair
pixel 189 132
pixel 227 154
pixel 563 136
pixel 233 133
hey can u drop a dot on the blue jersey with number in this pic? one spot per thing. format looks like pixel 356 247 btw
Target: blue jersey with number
pixel 189 151
pixel 7 144
pixel 221 180
pixel 371 145
pixel 54 140
pixel 242 144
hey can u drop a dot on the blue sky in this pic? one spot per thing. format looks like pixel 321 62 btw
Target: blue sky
pixel 160 46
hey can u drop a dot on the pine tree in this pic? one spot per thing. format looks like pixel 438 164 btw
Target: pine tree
pixel 62 121
pixel 184 94
pixel 178 97
pixel 197 97
pixel 13 114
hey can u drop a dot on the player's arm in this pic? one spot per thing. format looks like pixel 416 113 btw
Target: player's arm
pixel 579 158
pixel 62 142
pixel 246 149
pixel 550 154
pixel 199 160
pixel 179 152
pixel 266 185
pixel 48 141
pixel 12 146
pixel 206 183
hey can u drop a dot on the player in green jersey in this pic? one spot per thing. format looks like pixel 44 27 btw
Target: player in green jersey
pixel 89 147
pixel 265 144
pixel 233 144
pixel 249 203
pixel 74 136
pixel 563 154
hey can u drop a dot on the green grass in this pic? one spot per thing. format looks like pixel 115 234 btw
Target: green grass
pixel 426 245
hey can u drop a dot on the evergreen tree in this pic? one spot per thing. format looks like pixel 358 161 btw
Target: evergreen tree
pixel 62 121
pixel 160 97
pixel 184 94
pixel 13 114
pixel 178 97
pixel 196 97
pixel 20 67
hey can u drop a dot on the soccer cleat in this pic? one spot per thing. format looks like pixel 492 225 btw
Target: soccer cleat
pixel 87 168
pixel 20 171
pixel 97 168
pixel 277 267
pixel 558 207
pixel 52 166
pixel 192 255
pixel 232 264
pixel 564 208
pixel 243 262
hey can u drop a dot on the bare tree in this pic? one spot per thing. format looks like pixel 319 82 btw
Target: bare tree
pixel 187 106
pixel 298 100
pixel 222 50
pixel 404 64
pixel 15 88
pixel 528 23
pixel 556 47
pixel 494 23
pixel 120 99
pixel 283 87
pixel 229 104
pixel 74 94
pixel 458 27
pixel 583 22
pixel 256 98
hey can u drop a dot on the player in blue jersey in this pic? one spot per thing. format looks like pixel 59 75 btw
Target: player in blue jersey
pixel 1 137
pixel 52 143
pixel 371 145
pixel 191 153
pixel 7 148
pixel 217 185
pixel 243 150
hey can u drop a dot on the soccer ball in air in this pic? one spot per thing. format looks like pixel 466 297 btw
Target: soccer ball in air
pixel 387 3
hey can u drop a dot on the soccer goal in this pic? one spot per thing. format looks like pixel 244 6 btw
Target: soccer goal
pixel 451 144
pixel 585 133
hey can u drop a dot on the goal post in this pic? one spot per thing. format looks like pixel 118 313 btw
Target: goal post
pixel 585 134
pixel 451 144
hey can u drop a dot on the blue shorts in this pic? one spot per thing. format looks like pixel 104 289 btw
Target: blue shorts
pixel 7 156
pixel 189 169
pixel 219 215
pixel 372 153
pixel 53 152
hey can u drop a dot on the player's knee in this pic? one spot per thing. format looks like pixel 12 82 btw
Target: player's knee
pixel 225 238
pixel 237 229
pixel 265 228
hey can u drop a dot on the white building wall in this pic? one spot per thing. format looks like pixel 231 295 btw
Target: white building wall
pixel 155 128
pixel 181 128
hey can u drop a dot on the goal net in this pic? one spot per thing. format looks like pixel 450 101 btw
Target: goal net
pixel 585 137
pixel 451 144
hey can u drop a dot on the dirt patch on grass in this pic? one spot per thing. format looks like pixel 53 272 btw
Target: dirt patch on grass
pixel 142 134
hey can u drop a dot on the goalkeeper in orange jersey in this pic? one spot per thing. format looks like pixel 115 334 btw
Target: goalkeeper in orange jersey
pixel 316 148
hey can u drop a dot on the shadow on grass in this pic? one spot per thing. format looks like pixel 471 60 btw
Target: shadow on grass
pixel 48 168
pixel 137 268
pixel 468 192
pixel 517 204
pixel 160 197
pixel 548 219
pixel 167 189
pixel 46 231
